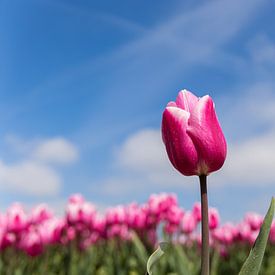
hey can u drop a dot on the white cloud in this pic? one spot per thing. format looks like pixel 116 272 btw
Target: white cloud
pixel 29 178
pixel 35 172
pixel 143 151
pixel 143 164
pixel 251 162
pixel 55 150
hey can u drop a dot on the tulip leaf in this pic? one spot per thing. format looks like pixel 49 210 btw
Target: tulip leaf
pixel 253 263
pixel 140 249
pixel 154 258
pixel 184 266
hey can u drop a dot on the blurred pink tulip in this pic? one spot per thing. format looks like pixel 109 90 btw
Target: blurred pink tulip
pixel 51 230
pixel 99 224
pixel 116 215
pixel 197 211
pixel 6 238
pixel 189 223
pixel 76 198
pixel 16 218
pixel 194 141
pixel 136 217
pixel 174 215
pixel 214 218
pixel 31 243
pixel 224 234
pixel 244 232
pixel 80 212
pixel 254 220
pixel 40 213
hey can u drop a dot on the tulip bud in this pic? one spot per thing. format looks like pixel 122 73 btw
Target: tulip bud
pixel 194 141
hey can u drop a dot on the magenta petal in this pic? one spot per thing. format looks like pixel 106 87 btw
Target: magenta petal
pixel 186 101
pixel 208 138
pixel 179 146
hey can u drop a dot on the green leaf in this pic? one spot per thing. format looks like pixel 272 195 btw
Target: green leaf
pixel 253 263
pixel 154 258
pixel 184 265
pixel 140 249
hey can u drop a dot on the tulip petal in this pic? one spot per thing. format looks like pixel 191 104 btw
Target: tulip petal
pixel 208 138
pixel 186 101
pixel 179 146
pixel 171 104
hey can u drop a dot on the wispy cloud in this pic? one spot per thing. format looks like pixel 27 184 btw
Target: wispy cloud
pixel 91 15
pixel 181 42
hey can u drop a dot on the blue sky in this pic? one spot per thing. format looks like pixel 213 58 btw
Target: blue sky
pixel 83 85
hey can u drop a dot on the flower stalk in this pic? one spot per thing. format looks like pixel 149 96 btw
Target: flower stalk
pixel 204 227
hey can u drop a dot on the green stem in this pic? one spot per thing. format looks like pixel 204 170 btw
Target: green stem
pixel 205 228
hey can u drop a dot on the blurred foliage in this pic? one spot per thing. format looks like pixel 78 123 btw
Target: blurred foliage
pixel 117 257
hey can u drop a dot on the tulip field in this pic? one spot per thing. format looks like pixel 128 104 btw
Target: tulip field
pixel 120 240
pixel 158 237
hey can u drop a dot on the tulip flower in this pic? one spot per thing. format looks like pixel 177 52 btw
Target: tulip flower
pixel 214 218
pixel 192 135
pixel 195 145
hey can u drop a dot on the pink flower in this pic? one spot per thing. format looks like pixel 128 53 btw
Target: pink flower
pixel 80 212
pixel 174 215
pixel 76 198
pixel 51 230
pixel 197 211
pixel 6 239
pixel 16 218
pixel 116 215
pixel 99 224
pixel 189 223
pixel 225 234
pixel 254 220
pixel 214 218
pixel 194 141
pixel 136 217
pixel 244 232
pixel 40 213
pixel 31 243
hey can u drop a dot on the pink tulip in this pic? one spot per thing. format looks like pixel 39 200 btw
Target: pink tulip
pixel 214 218
pixel 225 234
pixel 80 212
pixel 51 230
pixel 197 211
pixel 76 198
pixel 16 218
pixel 116 215
pixel 40 213
pixel 244 232
pixel 174 215
pixel 189 223
pixel 31 243
pixel 135 216
pixel 192 135
pixel 254 220
pixel 8 239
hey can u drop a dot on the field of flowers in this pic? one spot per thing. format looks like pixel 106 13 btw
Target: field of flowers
pixel 120 241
